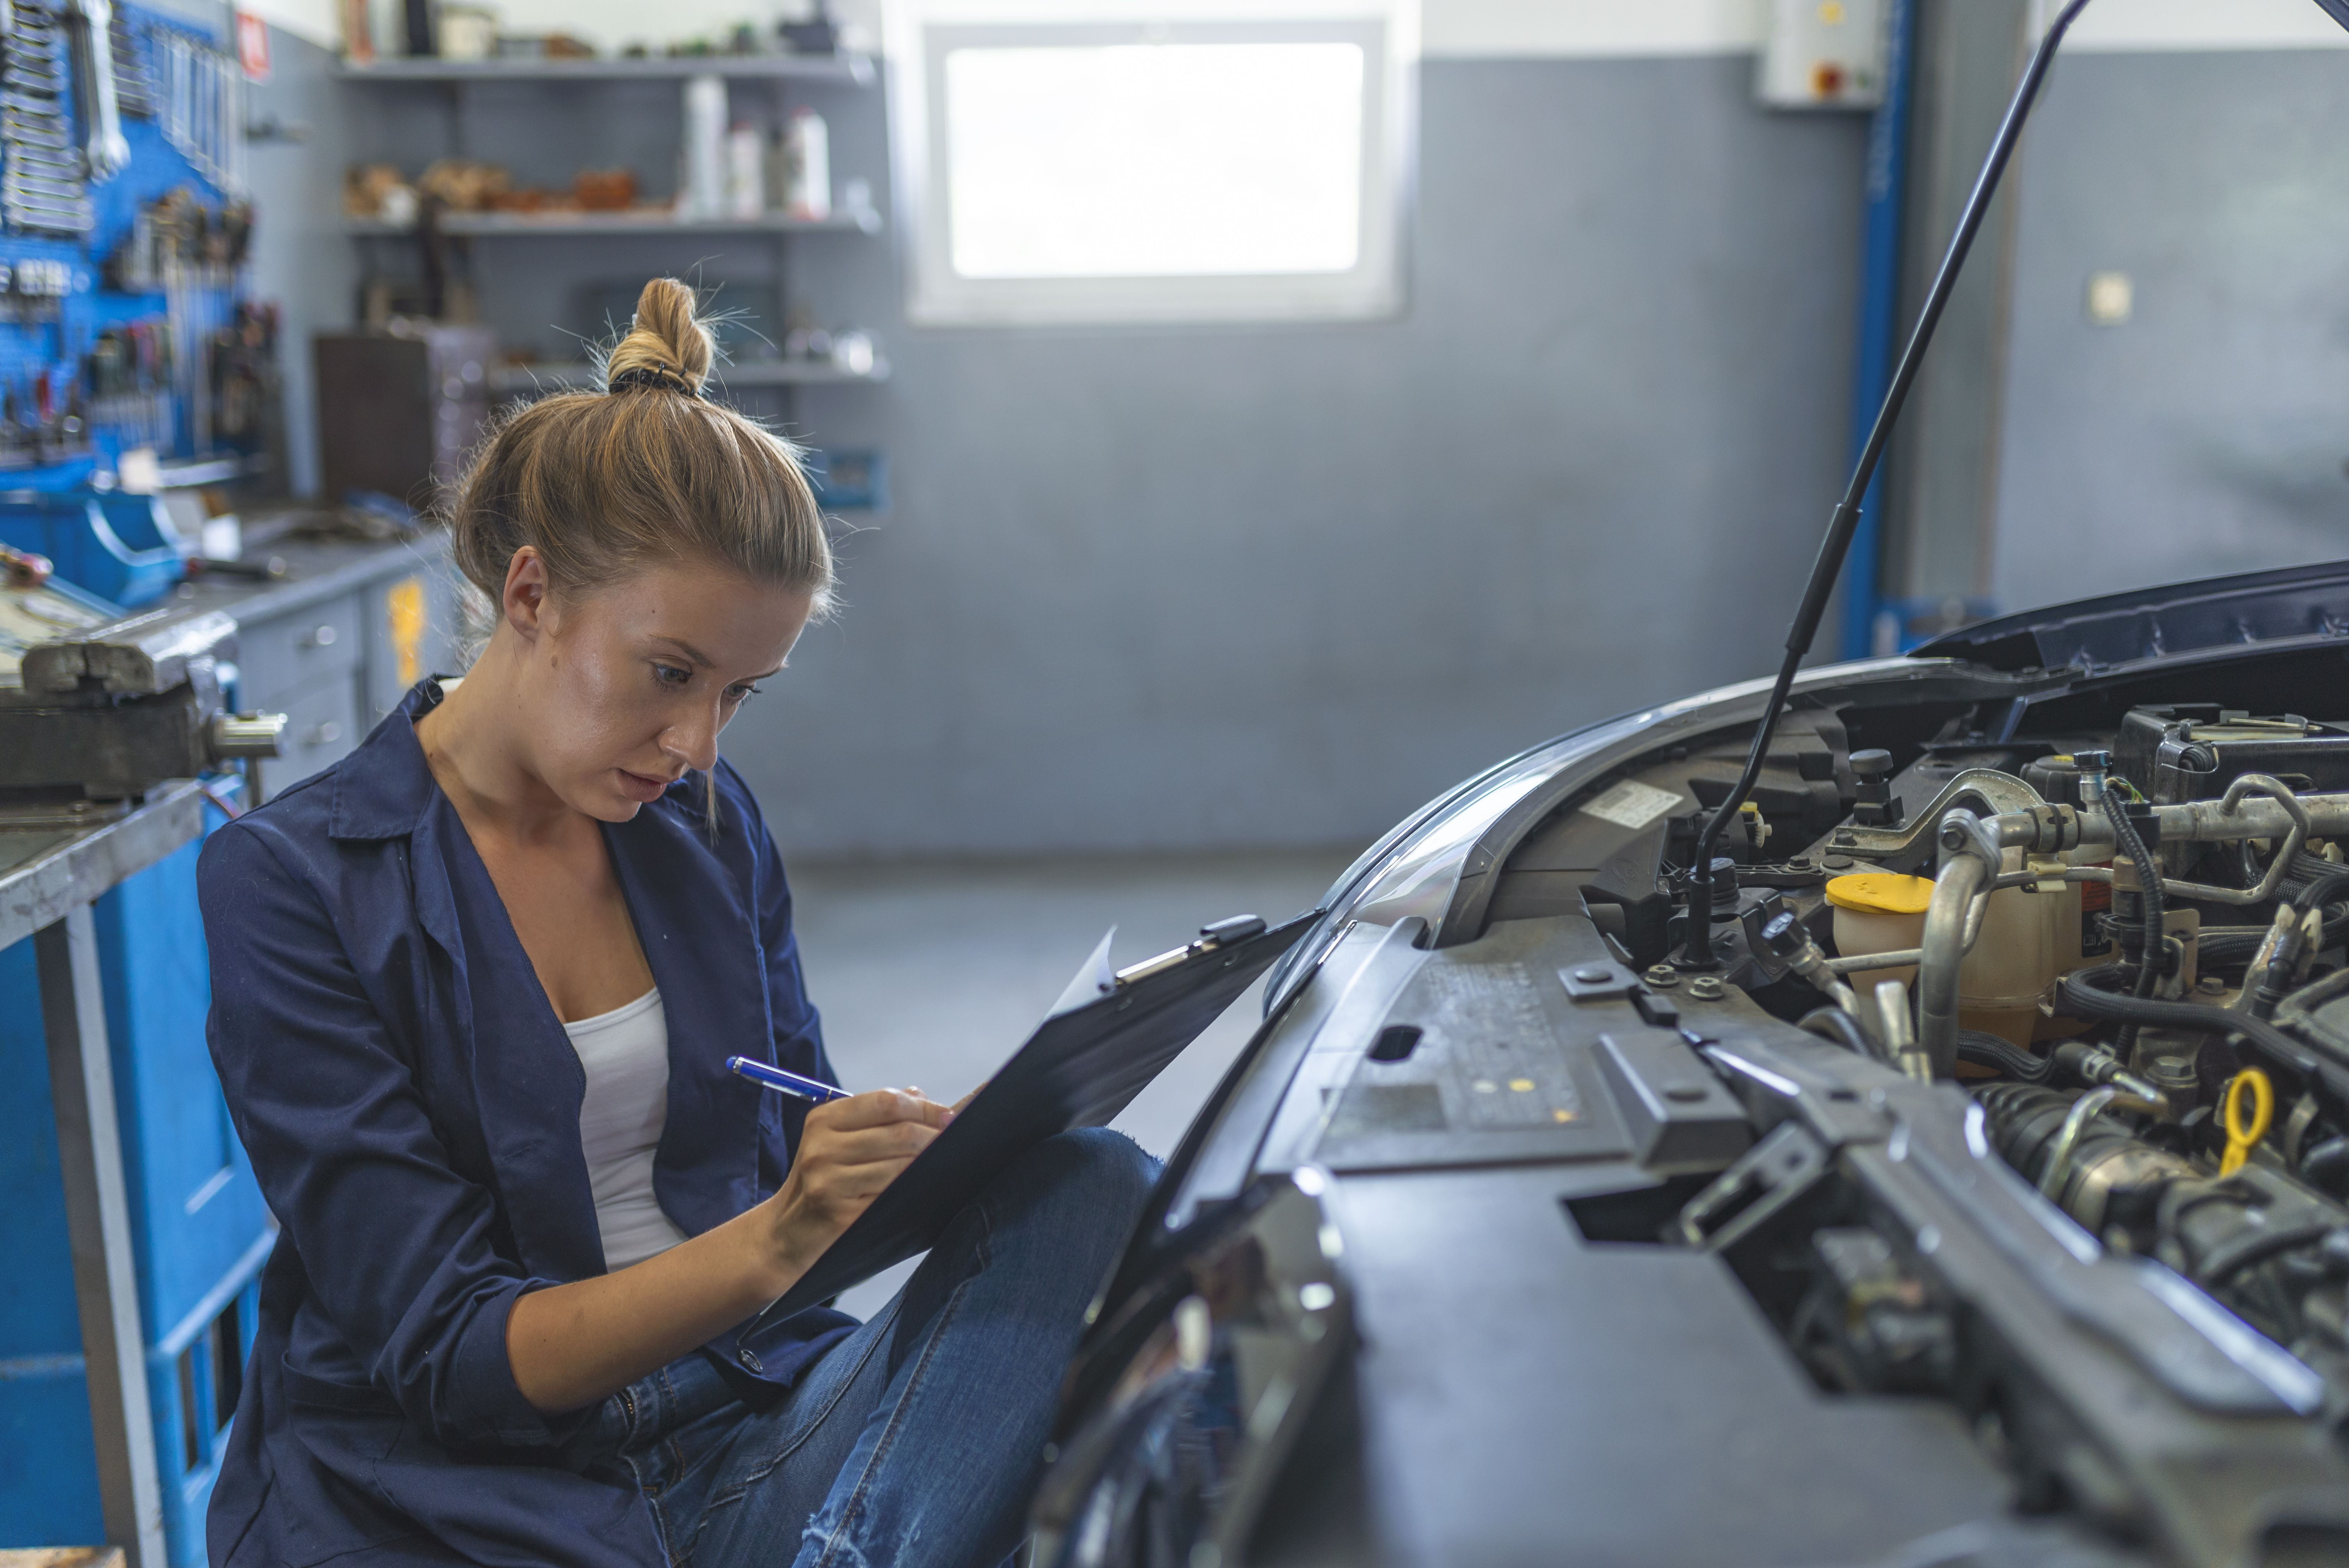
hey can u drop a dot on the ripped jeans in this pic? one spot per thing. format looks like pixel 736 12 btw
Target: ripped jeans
pixel 914 1442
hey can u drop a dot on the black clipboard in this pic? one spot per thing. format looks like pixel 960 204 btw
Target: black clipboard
pixel 1080 1068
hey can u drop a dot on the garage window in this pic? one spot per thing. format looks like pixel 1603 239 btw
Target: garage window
pixel 1080 163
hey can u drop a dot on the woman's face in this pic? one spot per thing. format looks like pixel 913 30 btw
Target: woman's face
pixel 624 689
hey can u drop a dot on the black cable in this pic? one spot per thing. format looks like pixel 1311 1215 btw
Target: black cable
pixel 2153 949
pixel 2004 1056
pixel 2325 1070
pixel 1697 950
pixel 1834 1024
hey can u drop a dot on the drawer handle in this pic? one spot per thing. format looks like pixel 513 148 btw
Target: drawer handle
pixel 326 734
pixel 324 638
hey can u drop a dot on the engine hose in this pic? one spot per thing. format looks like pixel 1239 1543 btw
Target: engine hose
pixel 1834 1024
pixel 2312 879
pixel 2003 1055
pixel 2326 1166
pixel 2152 950
pixel 2226 944
pixel 2323 1070
pixel 2225 1263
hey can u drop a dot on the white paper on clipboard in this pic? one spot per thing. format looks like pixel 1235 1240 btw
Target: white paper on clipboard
pixel 1095 980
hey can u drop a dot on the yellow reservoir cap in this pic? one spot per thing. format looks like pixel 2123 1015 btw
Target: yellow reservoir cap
pixel 1880 893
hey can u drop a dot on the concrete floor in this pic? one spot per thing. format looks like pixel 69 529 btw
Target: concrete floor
pixel 933 974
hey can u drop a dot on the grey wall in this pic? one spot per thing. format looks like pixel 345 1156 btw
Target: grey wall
pixel 300 256
pixel 1220 586
pixel 2207 434
pixel 1223 587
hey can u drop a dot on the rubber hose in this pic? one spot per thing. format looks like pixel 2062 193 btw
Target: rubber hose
pixel 2003 1055
pixel 2320 1066
pixel 2312 879
pixel 2152 950
pixel 2226 944
pixel 1834 1024
pixel 2226 1262
pixel 2326 1166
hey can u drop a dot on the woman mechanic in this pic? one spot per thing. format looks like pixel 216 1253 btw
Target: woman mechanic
pixel 473 990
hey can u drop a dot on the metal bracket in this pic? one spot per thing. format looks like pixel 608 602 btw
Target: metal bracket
pixel 2000 793
pixel 1766 1179
pixel 1963 833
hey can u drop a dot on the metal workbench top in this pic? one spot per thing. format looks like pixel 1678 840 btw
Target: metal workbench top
pixel 46 872
pixel 316 570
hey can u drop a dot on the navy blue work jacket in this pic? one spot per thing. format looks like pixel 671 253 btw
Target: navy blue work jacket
pixel 412 1106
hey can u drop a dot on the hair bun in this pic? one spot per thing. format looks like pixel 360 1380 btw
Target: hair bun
pixel 667 345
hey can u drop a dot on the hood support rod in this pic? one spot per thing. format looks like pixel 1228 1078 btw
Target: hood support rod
pixel 1697 950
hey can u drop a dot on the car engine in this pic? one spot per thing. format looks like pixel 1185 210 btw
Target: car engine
pixel 1987 1202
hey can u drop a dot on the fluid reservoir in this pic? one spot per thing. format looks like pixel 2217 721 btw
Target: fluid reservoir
pixel 2015 959
pixel 1879 912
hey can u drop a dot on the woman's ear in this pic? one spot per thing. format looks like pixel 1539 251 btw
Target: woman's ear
pixel 524 601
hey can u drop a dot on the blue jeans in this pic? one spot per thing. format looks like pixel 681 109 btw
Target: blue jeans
pixel 916 1440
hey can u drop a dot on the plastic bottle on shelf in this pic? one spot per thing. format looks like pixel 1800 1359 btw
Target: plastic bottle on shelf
pixel 703 194
pixel 807 161
pixel 746 171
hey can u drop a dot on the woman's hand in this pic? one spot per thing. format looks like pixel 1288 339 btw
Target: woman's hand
pixel 848 1151
pixel 569 1345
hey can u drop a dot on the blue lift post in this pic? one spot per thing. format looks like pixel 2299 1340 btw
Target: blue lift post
pixel 1880 316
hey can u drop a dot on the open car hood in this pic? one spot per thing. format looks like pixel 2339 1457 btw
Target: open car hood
pixel 2296 605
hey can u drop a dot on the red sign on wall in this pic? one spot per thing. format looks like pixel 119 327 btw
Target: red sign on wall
pixel 253 46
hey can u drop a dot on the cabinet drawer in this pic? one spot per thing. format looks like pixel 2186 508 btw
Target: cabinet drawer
pixel 321 726
pixel 292 652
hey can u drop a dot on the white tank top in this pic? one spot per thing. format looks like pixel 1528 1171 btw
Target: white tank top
pixel 625 1055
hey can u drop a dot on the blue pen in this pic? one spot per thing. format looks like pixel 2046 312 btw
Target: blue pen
pixel 781 1082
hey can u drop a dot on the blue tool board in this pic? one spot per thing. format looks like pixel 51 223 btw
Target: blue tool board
pixel 29 348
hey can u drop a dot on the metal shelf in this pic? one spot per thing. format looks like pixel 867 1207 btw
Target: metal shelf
pixel 557 226
pixel 848 70
pixel 555 376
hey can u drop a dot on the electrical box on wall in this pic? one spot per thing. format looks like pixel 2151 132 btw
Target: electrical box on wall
pixel 1822 54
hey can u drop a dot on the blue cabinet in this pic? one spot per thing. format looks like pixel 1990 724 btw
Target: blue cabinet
pixel 200 1229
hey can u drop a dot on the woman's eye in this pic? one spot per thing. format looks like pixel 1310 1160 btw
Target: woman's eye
pixel 736 694
pixel 671 675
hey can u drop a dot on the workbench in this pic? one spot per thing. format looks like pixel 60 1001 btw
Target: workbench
pixel 49 880
pixel 154 1190
pixel 335 643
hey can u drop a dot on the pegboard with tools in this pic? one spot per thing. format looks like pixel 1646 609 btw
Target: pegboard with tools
pixel 124 227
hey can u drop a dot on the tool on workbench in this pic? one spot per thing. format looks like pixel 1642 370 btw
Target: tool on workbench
pixel 270 569
pixel 96 716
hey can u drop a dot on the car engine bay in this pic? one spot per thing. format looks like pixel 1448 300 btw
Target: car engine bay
pixel 1955 1216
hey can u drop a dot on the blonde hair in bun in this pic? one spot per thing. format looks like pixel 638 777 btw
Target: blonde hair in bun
pixel 604 484
pixel 666 345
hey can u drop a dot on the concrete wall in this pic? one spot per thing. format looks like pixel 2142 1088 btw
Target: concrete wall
pixel 1244 586
pixel 2207 434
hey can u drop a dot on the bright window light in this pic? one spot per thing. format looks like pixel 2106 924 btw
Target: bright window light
pixel 1155 160
pixel 1103 161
